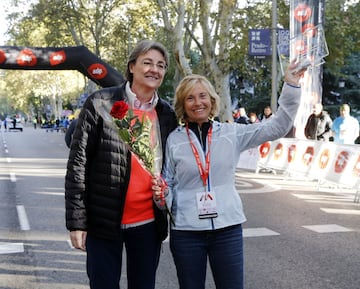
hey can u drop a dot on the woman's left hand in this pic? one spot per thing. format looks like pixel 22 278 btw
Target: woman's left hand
pixel 294 73
pixel 160 189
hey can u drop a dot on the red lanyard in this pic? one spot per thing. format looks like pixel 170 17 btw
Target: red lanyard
pixel 204 173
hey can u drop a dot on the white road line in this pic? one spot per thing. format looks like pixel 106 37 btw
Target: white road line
pixel 70 245
pixel 12 177
pixel 340 211
pixel 258 232
pixel 328 228
pixel 244 187
pixel 23 219
pixel 9 248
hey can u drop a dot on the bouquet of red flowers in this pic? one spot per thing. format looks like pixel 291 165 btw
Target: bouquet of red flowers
pixel 140 132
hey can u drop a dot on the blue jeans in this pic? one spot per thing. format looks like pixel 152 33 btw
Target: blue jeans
pixel 223 247
pixel 104 258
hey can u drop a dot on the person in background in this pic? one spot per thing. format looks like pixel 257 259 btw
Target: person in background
pixel 243 118
pixel 253 118
pixel 235 114
pixel 345 127
pixel 200 162
pixel 109 198
pixel 267 113
pixel 65 124
pixel 69 132
pixel 318 125
pixel 14 121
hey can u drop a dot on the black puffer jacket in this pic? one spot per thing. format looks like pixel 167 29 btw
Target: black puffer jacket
pixel 98 167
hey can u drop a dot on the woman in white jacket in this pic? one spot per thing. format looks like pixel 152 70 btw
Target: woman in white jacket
pixel 200 163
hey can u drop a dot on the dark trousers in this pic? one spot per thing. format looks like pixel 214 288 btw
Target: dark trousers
pixel 104 258
pixel 224 248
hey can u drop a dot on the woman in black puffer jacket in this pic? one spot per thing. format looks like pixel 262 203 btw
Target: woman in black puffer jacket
pixel 101 206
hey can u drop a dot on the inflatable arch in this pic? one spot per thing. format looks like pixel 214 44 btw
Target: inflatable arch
pixel 60 58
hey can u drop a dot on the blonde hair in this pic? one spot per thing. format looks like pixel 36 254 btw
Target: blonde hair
pixel 184 88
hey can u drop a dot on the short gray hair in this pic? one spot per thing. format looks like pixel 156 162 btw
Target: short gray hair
pixel 141 48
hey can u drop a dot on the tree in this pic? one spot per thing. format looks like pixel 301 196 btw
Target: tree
pixel 205 37
pixel 215 44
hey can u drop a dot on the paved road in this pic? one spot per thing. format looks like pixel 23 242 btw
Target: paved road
pixel 296 236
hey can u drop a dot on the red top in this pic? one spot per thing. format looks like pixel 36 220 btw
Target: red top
pixel 139 197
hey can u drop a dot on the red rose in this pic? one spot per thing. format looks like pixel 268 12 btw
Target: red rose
pixel 119 109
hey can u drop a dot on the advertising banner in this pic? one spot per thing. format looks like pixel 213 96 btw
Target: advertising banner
pixel 316 160
pixel 308 46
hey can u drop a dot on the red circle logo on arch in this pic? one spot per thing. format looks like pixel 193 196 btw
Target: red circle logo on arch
pixel 97 70
pixel 26 57
pixel 302 12
pixel 57 57
pixel 2 56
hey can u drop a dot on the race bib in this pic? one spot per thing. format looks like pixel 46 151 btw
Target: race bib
pixel 206 204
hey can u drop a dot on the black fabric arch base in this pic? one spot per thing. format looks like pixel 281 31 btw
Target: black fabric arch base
pixel 60 58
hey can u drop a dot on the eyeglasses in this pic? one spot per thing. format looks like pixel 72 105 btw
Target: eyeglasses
pixel 149 64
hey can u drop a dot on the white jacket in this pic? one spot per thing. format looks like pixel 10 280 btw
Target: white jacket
pixel 228 141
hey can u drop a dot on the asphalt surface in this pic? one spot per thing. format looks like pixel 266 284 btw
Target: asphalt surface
pixel 297 236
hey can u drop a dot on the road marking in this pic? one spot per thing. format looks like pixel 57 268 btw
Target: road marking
pixel 12 177
pixel 244 187
pixel 70 245
pixel 329 228
pixel 258 232
pixel 340 211
pixel 328 197
pixel 9 248
pixel 23 219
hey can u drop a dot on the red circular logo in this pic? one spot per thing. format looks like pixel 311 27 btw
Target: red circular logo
pixel 308 156
pixel 341 161
pixel 264 149
pixel 26 57
pixel 324 159
pixel 291 153
pixel 2 56
pixel 97 71
pixel 278 151
pixel 302 12
pixel 356 170
pixel 309 29
pixel 57 57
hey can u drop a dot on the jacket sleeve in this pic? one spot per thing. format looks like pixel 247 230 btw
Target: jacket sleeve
pixel 83 142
